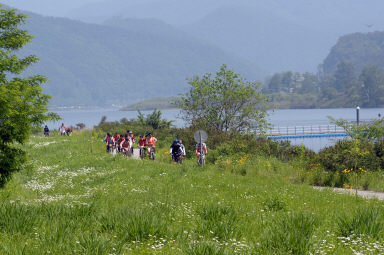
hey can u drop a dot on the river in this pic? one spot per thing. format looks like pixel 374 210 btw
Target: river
pixel 282 118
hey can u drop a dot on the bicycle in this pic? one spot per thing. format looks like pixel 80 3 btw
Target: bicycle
pixel 141 152
pixel 126 152
pixel 178 158
pixel 201 160
pixel 152 154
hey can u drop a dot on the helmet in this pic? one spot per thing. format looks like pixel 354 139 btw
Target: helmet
pixel 175 140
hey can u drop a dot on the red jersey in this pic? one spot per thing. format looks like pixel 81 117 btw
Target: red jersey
pixel 151 142
pixel 125 144
pixel 121 139
pixel 142 141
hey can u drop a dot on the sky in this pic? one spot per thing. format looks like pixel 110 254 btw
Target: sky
pixel 48 7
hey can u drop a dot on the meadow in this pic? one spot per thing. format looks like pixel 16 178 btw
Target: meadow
pixel 74 198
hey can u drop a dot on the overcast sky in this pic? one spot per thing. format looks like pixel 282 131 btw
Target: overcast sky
pixel 47 7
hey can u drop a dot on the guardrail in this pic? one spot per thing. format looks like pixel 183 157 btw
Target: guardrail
pixel 305 130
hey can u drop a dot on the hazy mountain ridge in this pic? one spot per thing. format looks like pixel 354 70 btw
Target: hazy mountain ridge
pixel 275 34
pixel 90 64
pixel 359 49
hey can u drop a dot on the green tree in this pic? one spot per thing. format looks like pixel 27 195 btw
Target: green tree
pixel 344 76
pixel 22 102
pixel 309 84
pixel 287 80
pixel 372 131
pixel 275 83
pixel 154 120
pixel 372 78
pixel 226 103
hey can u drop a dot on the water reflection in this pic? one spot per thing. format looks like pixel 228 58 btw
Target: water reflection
pixel 317 143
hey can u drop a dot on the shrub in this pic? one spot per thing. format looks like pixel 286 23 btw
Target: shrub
pixel 365 221
pixel 347 154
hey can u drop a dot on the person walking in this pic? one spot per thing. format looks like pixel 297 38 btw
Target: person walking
pixel 46 131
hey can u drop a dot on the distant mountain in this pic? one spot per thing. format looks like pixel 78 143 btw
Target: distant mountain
pixel 174 12
pixel 91 64
pixel 48 7
pixel 275 42
pixel 276 34
pixel 286 35
pixel 358 49
pixel 151 26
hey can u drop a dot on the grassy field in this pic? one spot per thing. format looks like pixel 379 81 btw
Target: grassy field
pixel 73 198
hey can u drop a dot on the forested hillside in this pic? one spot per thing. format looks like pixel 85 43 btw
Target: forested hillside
pixel 90 64
pixel 358 49
pixel 353 74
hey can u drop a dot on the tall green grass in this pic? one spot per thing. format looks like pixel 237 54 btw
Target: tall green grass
pixel 364 221
pixel 289 234
pixel 73 198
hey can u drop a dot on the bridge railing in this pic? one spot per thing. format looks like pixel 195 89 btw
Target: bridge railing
pixel 299 130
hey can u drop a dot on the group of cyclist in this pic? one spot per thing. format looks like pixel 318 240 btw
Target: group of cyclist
pixel 124 144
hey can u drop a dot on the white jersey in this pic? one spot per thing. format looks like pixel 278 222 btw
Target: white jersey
pixel 201 147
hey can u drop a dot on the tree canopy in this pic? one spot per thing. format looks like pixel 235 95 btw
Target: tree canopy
pixel 226 103
pixel 22 103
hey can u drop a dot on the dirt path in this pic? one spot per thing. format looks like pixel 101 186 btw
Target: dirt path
pixel 362 193
pixel 136 154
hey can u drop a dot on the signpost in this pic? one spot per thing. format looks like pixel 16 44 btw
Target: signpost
pixel 200 137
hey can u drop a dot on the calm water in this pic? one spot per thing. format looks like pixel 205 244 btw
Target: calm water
pixel 280 118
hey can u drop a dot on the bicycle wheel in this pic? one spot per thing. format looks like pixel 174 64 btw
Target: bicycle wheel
pixel 201 160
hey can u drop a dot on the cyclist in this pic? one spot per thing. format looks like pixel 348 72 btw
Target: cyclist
pixel 116 137
pixel 201 149
pixel 151 143
pixel 183 148
pixel 176 151
pixel 110 142
pixel 121 139
pixel 142 142
pixel 126 146
pixel 130 134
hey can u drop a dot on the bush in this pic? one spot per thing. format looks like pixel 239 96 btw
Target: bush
pixel 347 154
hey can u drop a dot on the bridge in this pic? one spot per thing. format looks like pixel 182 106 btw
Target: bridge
pixel 311 131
